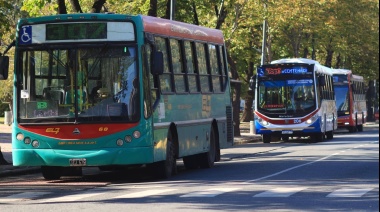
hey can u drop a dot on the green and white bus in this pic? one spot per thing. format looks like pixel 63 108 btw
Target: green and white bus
pixel 111 90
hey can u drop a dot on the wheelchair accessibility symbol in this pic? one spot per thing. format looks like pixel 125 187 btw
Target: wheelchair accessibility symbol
pixel 26 35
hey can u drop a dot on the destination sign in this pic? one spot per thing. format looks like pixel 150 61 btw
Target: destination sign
pixel 282 70
pixel 69 32
pixel 76 31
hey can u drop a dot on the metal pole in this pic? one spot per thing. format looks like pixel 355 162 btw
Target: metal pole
pixel 263 48
pixel 171 9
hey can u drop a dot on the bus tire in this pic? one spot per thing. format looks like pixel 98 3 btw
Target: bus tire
pixel 317 137
pixel 207 159
pixel 360 128
pixel 191 161
pixel 352 129
pixel 285 138
pixel 168 167
pixel 51 172
pixel 330 134
pixel 266 139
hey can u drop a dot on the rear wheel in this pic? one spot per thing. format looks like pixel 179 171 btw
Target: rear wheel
pixel 51 172
pixel 207 160
pixel 330 134
pixel 266 138
pixel 191 162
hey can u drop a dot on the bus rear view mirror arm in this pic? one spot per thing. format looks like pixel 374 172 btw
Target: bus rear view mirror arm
pixel 157 63
pixel 4 67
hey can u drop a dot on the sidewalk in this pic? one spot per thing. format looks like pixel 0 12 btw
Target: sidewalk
pixel 6 149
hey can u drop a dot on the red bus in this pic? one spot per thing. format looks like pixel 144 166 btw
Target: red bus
pixel 350 99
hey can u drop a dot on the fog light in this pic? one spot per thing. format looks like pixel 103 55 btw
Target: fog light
pixel 27 140
pixel 136 134
pixel 35 144
pixel 346 123
pixel 128 138
pixel 20 136
pixel 119 142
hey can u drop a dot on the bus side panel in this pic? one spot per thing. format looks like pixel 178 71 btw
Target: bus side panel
pixel 193 139
pixel 160 140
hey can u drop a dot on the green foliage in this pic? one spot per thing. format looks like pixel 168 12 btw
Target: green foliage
pixel 348 29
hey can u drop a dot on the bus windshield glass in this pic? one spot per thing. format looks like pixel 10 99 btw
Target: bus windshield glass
pixel 342 99
pixel 78 84
pixel 293 96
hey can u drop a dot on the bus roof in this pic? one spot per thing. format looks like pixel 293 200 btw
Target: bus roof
pixel 317 66
pixel 181 30
pixel 347 72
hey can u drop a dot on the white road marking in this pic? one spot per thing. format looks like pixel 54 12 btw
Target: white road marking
pixel 212 192
pixel 144 193
pixel 280 192
pixel 349 192
pixel 22 196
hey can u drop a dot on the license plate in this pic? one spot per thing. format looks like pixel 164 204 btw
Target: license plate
pixel 78 162
pixel 287 132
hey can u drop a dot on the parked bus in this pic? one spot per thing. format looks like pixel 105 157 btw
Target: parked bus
pixel 109 90
pixel 350 100
pixel 295 98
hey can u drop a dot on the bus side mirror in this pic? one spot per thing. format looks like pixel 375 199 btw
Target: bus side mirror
pixel 157 63
pixel 322 80
pixel 252 83
pixel 4 67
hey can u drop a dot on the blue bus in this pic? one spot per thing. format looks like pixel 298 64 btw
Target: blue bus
pixel 294 98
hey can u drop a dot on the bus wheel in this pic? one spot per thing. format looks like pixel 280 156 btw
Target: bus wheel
pixel 330 134
pixel 318 137
pixel 266 138
pixel 168 167
pixel 191 162
pixel 360 128
pixel 51 172
pixel 285 138
pixel 207 160
pixel 352 129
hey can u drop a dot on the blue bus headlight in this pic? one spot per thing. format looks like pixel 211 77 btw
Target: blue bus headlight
pixel 262 122
pixel 312 119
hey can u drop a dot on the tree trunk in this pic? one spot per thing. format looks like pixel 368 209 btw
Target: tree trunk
pixel 247 115
pixel 97 6
pixel 61 7
pixel 76 6
pixel 153 8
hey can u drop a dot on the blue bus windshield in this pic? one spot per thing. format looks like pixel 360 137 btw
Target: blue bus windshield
pixel 293 96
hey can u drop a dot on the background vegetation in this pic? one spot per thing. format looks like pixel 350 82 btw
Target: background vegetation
pixel 337 33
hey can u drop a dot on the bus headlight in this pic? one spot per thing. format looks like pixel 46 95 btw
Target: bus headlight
pixel 20 136
pixel 128 139
pixel 119 142
pixel 35 144
pixel 27 140
pixel 136 134
pixel 262 122
pixel 312 119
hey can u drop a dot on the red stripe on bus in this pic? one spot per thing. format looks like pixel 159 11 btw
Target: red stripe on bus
pixel 182 30
pixel 79 131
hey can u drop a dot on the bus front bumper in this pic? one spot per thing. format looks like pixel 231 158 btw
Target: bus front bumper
pixel 104 157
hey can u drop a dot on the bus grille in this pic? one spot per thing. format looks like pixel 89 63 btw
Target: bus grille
pixel 230 135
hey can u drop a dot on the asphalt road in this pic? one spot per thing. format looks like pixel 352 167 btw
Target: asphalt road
pixel 336 175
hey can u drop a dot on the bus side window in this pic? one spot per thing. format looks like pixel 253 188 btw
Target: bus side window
pixel 165 78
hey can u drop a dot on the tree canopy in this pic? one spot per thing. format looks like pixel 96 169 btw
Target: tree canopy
pixel 338 34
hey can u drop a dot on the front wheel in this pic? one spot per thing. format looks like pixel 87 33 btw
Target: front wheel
pixel 266 138
pixel 168 167
pixel 51 172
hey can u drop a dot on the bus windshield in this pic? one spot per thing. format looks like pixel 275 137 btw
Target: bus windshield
pixel 78 84
pixel 342 99
pixel 279 97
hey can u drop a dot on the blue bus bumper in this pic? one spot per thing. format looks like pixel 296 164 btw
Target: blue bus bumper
pixel 296 130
